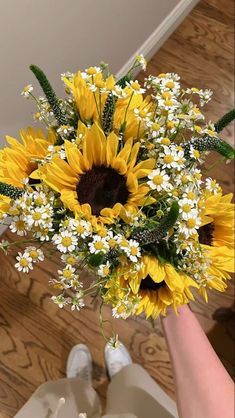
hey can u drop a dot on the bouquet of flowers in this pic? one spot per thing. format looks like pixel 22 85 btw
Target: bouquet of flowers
pixel 115 183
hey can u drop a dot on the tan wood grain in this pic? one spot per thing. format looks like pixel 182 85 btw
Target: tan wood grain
pixel 36 336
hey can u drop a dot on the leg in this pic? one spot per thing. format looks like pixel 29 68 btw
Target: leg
pixel 133 391
pixel 66 397
pixel 203 387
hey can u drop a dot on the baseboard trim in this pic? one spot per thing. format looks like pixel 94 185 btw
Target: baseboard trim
pixel 161 33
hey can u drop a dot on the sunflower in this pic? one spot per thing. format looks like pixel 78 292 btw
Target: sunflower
pixel 217 227
pixel 18 161
pixel 137 110
pixel 89 104
pixel 216 236
pixel 158 286
pixel 98 181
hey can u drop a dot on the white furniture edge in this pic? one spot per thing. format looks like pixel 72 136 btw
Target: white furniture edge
pixel 160 34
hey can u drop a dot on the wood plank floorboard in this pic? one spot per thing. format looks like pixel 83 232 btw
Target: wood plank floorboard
pixel 35 336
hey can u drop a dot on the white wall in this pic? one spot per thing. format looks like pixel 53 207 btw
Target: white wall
pixel 61 35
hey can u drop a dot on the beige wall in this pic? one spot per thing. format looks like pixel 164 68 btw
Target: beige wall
pixel 61 35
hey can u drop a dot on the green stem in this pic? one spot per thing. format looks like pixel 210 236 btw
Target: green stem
pixel 225 120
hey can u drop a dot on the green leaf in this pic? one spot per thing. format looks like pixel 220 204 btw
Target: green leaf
pixel 49 93
pixel 123 80
pixel 225 120
pixel 96 259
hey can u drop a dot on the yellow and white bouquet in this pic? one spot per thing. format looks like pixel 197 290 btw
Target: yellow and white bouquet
pixel 115 183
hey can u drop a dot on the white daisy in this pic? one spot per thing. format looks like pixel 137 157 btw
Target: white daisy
pixel 187 209
pixel 98 244
pixel 65 241
pixel 135 87
pixel 104 269
pixel 19 225
pixel 133 250
pixel 82 228
pixel 24 262
pixel 35 253
pixel 168 158
pixel 70 259
pixel 159 180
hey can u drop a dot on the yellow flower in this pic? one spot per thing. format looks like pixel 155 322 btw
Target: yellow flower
pixel 98 181
pixel 217 227
pixel 124 111
pixel 158 285
pixel 89 104
pixel 18 161
pixel 216 236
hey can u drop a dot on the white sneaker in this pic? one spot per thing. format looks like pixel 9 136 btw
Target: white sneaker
pixel 116 359
pixel 79 363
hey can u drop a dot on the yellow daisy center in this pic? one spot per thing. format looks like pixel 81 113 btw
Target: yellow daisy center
pixel 20 225
pixel 71 260
pixel 191 195
pixel 99 245
pixel 24 262
pixel 106 270
pixel 184 179
pixel 191 223
pixel 37 216
pixel 156 126
pixel 158 180
pixel 186 208
pixel 166 95
pixel 67 273
pixel 33 254
pixel 168 159
pixel 134 251
pixel 39 201
pixel 168 102
pixel 66 241
pixel 170 124
pixel 80 229
pixel 170 84
pixel 112 243
pixel 196 153
pixel 165 141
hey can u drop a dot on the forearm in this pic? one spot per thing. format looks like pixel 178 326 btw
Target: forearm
pixel 203 387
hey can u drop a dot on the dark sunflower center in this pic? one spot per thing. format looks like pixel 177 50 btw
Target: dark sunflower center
pixel 102 187
pixel 206 234
pixel 149 284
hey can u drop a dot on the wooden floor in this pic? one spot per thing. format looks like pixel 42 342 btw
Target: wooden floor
pixel 35 336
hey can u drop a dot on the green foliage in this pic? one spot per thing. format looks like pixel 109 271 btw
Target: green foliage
pixel 225 120
pixel 10 191
pixel 150 236
pixel 50 94
pixel 122 82
pixel 96 259
pixel 209 144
